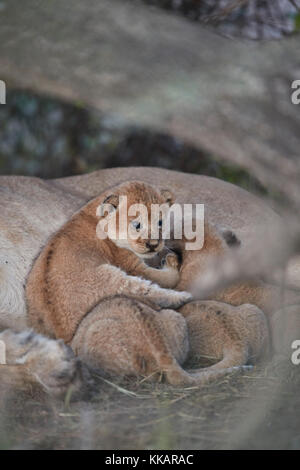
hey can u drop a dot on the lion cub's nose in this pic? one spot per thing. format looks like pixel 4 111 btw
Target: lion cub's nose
pixel 152 244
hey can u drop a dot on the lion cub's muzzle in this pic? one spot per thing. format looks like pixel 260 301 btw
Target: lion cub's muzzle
pixel 153 245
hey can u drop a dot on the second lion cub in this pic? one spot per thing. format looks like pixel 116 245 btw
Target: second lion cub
pixel 77 268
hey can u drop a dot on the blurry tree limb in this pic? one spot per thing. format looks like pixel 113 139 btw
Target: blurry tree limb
pixel 225 11
pixel 232 98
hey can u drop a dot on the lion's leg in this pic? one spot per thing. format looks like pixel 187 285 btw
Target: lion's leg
pixel 107 280
pixel 115 281
pixel 32 359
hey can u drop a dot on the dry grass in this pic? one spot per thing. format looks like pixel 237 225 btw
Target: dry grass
pixel 255 410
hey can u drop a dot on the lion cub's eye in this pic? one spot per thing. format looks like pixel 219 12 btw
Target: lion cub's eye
pixel 136 225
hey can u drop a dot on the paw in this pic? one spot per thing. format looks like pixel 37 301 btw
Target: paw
pixel 50 363
pixel 171 261
pixel 180 298
pixel 55 367
pixel 168 298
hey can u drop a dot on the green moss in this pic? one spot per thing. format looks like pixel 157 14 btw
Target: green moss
pixel 297 22
pixel 236 175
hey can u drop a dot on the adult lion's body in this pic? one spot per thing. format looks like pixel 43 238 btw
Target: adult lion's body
pixel 32 210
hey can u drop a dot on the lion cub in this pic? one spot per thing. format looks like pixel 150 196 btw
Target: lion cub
pixel 221 244
pixel 86 262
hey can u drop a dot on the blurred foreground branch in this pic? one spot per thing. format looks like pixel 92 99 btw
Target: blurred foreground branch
pixel 231 98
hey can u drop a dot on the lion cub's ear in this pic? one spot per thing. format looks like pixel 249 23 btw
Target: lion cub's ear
pixel 168 196
pixel 229 236
pixel 109 205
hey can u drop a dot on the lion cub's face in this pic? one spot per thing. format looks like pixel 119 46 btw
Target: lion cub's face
pixel 132 216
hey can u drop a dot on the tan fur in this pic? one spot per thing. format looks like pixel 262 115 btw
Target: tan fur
pixel 126 335
pixel 269 298
pixel 128 338
pixel 225 335
pixel 76 269
pixel 36 364
pixel 32 210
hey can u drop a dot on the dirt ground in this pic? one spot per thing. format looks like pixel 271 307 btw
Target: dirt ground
pixel 255 410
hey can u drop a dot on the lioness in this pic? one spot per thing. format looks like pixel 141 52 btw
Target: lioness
pixel 32 210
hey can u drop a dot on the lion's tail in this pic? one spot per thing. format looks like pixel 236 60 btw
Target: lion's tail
pixel 204 376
